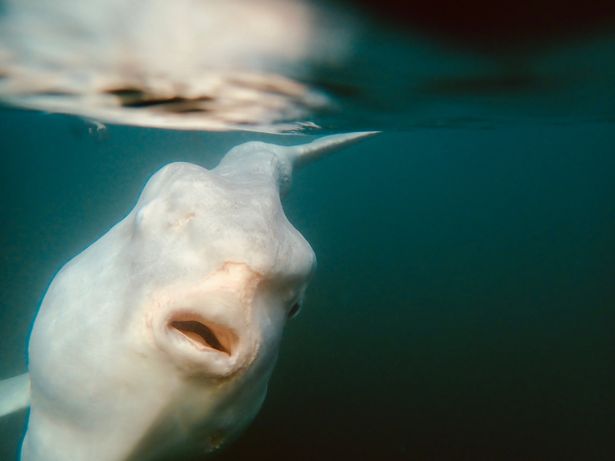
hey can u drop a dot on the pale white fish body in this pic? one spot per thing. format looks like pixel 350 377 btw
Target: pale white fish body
pixel 161 336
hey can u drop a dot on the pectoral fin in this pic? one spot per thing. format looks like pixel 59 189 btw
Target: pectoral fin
pixel 14 394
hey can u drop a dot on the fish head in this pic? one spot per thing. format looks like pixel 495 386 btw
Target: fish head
pixel 222 268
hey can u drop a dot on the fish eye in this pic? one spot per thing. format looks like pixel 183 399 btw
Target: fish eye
pixel 294 310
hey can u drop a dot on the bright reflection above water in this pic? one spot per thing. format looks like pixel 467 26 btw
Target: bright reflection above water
pixel 187 64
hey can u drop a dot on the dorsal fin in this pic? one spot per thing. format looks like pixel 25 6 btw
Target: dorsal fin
pixel 275 163
pixel 304 153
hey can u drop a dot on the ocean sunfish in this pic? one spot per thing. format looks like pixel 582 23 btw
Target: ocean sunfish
pixel 161 336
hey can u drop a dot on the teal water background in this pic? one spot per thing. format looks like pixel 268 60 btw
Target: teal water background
pixel 464 302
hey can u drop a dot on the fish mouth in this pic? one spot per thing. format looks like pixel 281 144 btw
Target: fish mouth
pixel 204 335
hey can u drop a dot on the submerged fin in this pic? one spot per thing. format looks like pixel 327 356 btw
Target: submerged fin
pixel 14 394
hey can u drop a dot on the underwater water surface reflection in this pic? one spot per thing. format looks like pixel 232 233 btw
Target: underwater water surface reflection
pixel 302 65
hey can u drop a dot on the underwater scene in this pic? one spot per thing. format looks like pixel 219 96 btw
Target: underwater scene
pixel 461 303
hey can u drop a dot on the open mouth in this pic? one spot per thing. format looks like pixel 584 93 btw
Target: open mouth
pixel 205 335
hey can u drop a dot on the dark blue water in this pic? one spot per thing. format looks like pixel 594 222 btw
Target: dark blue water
pixel 464 302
